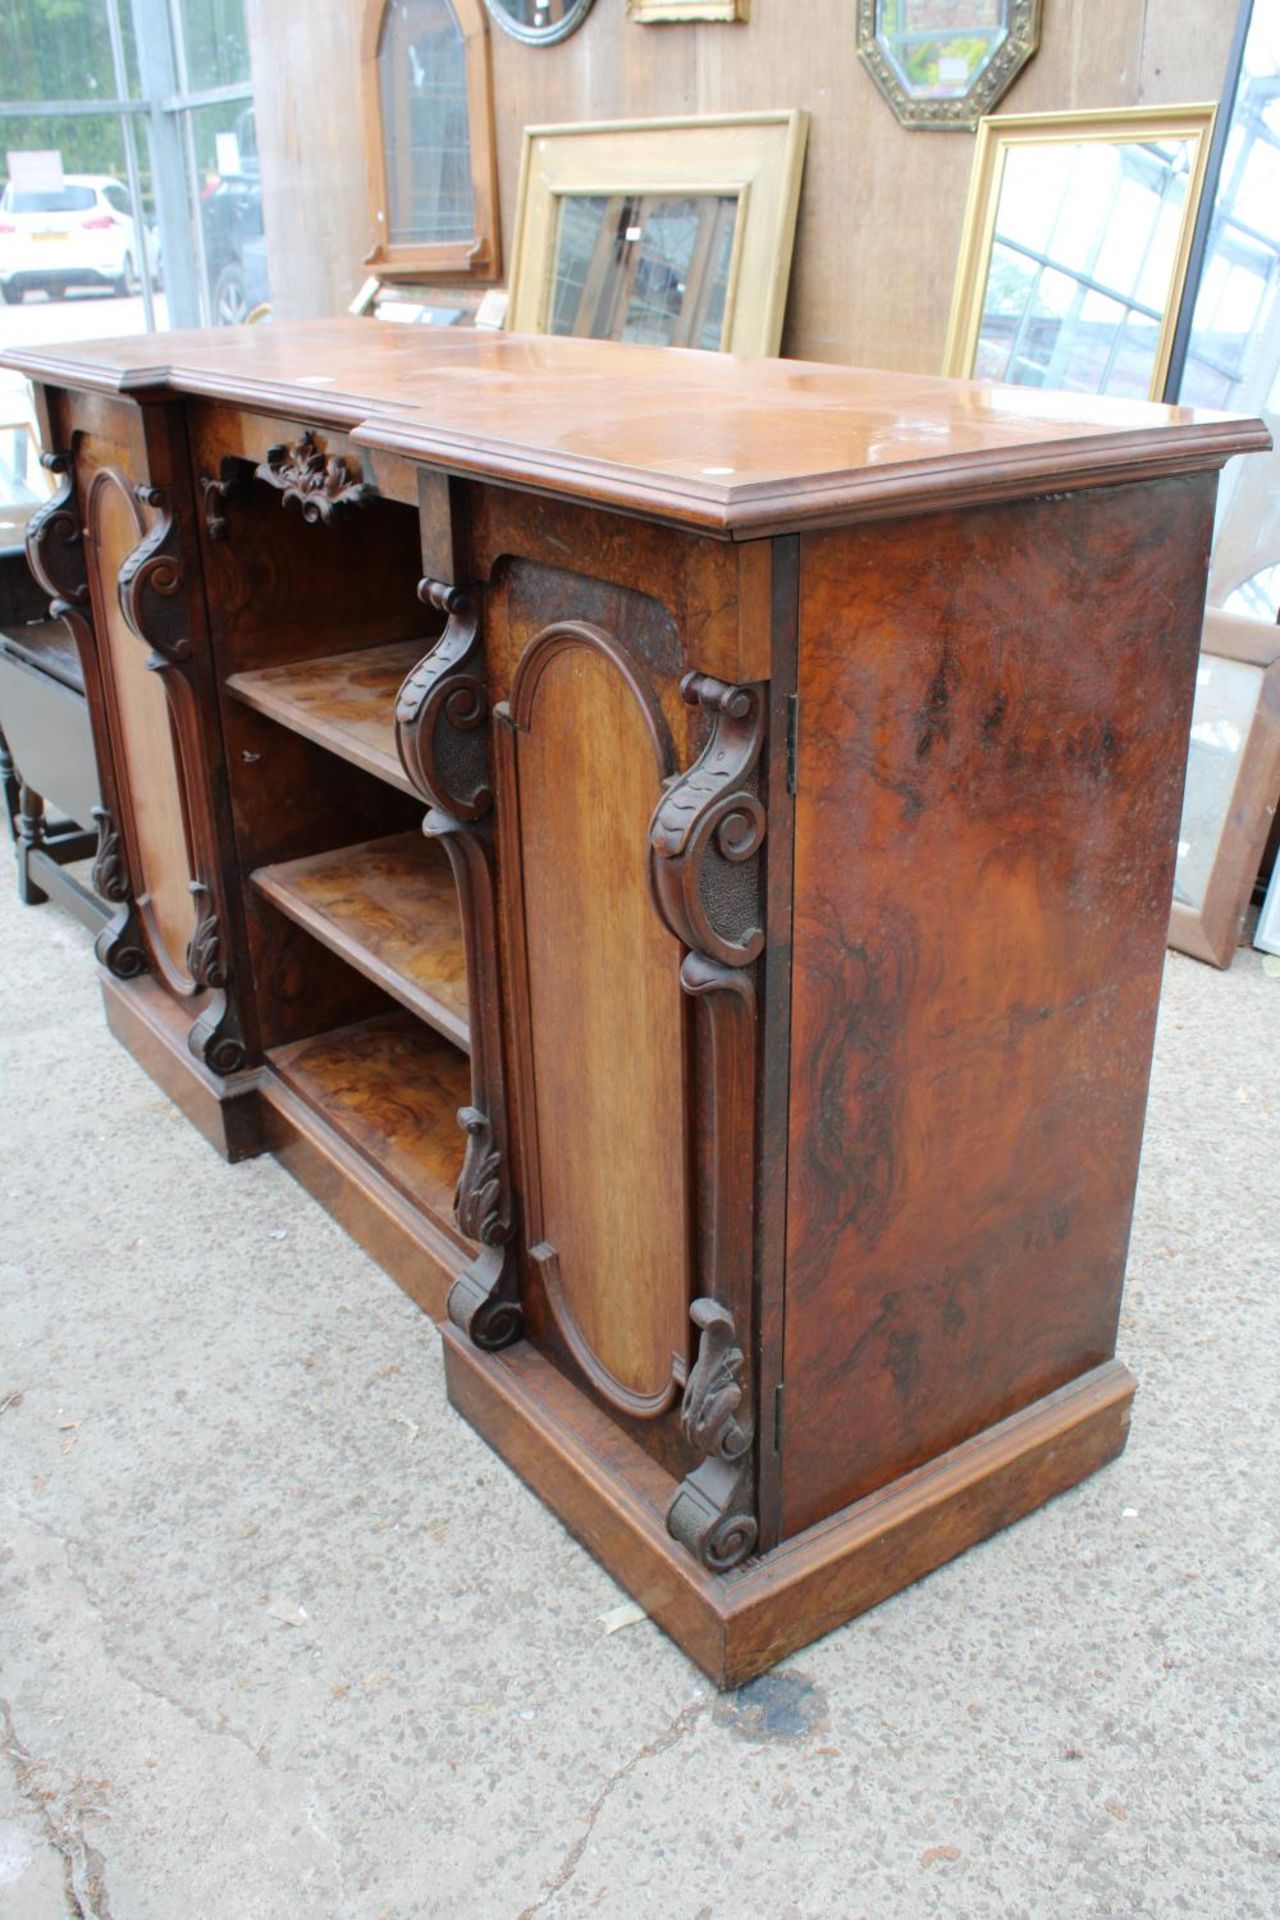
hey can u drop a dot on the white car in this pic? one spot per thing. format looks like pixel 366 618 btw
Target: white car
pixel 80 234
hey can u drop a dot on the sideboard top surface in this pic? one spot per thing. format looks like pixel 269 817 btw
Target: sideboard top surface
pixel 728 445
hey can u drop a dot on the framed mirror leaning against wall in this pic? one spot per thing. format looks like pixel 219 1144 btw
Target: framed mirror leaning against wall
pixel 673 233
pixel 1076 240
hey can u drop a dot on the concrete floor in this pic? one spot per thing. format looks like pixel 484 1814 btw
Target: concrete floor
pixel 282 1639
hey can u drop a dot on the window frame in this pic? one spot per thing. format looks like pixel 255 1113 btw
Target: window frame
pixel 479 258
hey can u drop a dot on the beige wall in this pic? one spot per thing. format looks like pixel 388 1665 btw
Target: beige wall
pixel 881 209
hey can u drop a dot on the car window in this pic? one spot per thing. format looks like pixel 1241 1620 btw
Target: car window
pixel 117 198
pixel 50 200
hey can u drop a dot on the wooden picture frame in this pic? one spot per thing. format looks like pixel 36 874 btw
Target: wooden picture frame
pixel 480 256
pixel 757 158
pixel 655 13
pixel 1001 136
pixel 1209 928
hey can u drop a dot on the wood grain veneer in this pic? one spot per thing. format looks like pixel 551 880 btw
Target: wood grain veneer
pixel 392 1090
pixel 343 702
pixel 779 444
pixel 390 908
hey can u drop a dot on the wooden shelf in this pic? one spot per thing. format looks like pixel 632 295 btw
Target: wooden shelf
pixel 391 1089
pixel 390 908
pixel 345 702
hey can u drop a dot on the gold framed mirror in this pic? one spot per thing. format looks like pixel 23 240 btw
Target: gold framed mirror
pixel 1076 240
pixel 942 64
pixel 665 232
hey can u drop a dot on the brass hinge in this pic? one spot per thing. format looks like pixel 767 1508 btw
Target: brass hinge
pixel 793 739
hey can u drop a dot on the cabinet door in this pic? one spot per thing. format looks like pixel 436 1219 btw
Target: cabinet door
pixel 601 1018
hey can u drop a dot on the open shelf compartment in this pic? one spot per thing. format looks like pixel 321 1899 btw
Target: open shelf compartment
pixel 345 702
pixel 388 907
pixel 391 1089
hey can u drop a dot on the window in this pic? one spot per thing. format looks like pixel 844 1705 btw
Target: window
pixel 55 200
pixel 143 107
pixel 429 138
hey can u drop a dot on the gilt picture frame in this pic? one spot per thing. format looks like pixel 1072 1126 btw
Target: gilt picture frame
pixel 941 108
pixel 1010 152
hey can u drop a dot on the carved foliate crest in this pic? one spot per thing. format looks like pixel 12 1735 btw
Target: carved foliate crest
pixel 709 827
pixel 319 485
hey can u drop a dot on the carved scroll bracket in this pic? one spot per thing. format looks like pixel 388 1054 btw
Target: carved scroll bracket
pixel 705 845
pixel 55 540
pixel 709 827
pixel 319 485
pixel 711 1512
pixel 442 712
pixel 151 585
pixel 57 558
pixel 118 946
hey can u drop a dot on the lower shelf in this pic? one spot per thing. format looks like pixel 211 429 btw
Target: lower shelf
pixel 392 1089
pixel 365 1119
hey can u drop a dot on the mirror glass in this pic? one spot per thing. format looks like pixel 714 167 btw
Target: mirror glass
pixel 1227 693
pixel 1083 257
pixel 938 48
pixel 422 74
pixel 1233 354
pixel 539 20
pixel 644 267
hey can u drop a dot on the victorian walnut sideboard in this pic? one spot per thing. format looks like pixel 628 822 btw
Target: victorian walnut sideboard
pixel 675 853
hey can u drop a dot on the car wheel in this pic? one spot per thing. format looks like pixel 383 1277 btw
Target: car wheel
pixel 230 300
pixel 128 281
pixel 12 293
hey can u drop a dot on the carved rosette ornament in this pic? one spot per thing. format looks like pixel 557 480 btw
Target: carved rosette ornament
pixel 56 555
pixel 318 484
pixel 150 585
pixel 442 713
pixel 705 844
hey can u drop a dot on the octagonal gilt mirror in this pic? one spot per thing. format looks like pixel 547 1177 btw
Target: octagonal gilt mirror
pixel 944 63
pixel 539 21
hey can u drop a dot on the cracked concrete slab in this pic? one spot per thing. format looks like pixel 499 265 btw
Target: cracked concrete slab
pixel 283 1639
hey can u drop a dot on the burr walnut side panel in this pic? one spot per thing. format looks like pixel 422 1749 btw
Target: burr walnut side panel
pixel 992 731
